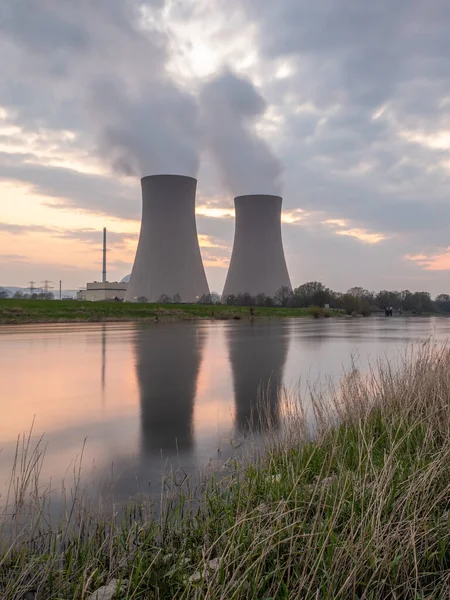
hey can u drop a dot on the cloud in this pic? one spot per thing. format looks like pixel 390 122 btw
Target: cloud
pixel 16 229
pixel 439 261
pixel 104 63
pixel 341 227
pixel 90 236
pixel 231 106
pixel 351 100
pixel 94 237
pixel 293 216
pixel 215 212
pixel 72 189
pixel 363 124
pixel 8 258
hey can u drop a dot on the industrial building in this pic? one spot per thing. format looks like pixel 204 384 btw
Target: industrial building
pixel 103 290
pixel 257 261
pixel 168 259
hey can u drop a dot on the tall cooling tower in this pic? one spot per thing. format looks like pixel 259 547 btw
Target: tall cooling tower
pixel 257 262
pixel 168 259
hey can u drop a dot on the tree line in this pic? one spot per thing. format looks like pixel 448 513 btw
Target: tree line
pixel 356 300
pixel 26 296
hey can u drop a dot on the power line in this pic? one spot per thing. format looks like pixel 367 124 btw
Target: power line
pixel 47 285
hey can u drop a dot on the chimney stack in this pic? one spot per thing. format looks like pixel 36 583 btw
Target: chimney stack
pixel 104 256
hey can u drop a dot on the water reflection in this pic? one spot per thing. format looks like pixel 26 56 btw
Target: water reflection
pixel 103 361
pixel 173 392
pixel 168 359
pixel 257 354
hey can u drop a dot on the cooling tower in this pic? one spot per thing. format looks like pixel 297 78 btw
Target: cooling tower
pixel 257 261
pixel 168 259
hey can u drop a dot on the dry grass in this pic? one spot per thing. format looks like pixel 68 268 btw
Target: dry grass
pixel 360 509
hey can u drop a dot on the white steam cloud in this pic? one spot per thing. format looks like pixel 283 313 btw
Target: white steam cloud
pixel 103 64
pixel 231 106
pixel 109 57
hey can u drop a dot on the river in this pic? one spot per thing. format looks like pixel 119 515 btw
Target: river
pixel 138 399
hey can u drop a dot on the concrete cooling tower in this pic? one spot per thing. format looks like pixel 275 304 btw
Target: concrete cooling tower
pixel 257 261
pixel 168 259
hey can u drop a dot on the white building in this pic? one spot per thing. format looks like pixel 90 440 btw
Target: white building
pixel 98 291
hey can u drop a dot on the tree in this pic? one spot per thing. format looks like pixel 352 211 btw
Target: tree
pixel 282 295
pixel 260 299
pixel 164 299
pixel 215 298
pixel 360 292
pixel 142 299
pixel 18 295
pixel 231 300
pixel 245 299
pixel 355 304
pixel 177 299
pixel 385 299
pixel 3 294
pixel 205 299
pixel 312 293
pixel 442 302
pixel 43 296
pixel 423 302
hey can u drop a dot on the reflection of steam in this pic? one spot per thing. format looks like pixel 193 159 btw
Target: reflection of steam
pixel 257 356
pixel 168 361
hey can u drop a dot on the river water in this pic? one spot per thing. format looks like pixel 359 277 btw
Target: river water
pixel 141 398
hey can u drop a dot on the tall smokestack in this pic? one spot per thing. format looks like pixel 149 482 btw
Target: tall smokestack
pixel 104 256
pixel 168 259
pixel 257 261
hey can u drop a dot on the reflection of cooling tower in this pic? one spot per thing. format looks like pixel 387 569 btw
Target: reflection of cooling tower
pixel 257 356
pixel 168 259
pixel 168 360
pixel 257 262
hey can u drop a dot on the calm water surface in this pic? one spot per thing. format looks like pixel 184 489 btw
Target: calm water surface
pixel 146 397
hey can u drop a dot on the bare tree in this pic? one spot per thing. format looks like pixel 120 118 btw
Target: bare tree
pixel 205 299
pixel 164 299
pixel 282 295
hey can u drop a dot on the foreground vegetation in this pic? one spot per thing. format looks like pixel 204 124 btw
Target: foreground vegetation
pixel 62 311
pixel 359 510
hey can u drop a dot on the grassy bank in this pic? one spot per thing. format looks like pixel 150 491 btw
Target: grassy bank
pixel 68 311
pixel 360 511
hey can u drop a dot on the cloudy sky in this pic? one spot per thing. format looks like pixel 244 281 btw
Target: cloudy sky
pixel 340 106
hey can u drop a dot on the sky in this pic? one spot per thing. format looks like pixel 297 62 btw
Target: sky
pixel 340 107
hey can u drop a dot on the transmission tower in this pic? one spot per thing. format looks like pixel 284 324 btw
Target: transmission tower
pixel 47 285
pixel 32 287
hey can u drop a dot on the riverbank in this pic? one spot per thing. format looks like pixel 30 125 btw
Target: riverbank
pixel 72 311
pixel 361 510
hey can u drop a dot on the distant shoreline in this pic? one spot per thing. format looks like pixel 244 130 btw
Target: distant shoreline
pixel 30 312
pixel 27 312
